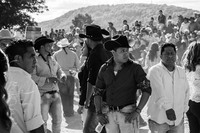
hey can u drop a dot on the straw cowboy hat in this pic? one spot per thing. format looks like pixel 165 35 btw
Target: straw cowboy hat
pixel 63 43
pixel 5 34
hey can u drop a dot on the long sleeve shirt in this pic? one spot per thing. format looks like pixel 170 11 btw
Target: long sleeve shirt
pixel 45 69
pixel 24 100
pixel 67 60
pixel 121 88
pixel 169 90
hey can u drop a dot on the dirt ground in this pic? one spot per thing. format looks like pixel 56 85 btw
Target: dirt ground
pixel 74 124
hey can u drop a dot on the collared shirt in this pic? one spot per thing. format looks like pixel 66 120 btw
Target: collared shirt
pixel 194 83
pixel 169 90
pixel 121 88
pixel 45 69
pixel 97 57
pixel 24 100
pixel 67 60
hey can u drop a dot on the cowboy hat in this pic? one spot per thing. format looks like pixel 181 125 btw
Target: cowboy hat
pixel 63 43
pixel 117 42
pixel 5 34
pixel 42 41
pixel 94 32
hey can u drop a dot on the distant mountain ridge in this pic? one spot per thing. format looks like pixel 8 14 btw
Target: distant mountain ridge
pixel 102 14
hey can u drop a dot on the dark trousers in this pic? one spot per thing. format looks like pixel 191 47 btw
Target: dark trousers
pixel 91 120
pixel 193 115
pixel 67 96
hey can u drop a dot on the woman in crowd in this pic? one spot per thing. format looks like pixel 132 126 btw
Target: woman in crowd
pixel 5 121
pixel 192 66
pixel 7 125
pixel 152 57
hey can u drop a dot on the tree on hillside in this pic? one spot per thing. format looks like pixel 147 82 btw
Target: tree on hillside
pixel 81 19
pixel 16 12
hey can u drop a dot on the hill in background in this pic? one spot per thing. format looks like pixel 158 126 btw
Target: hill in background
pixel 102 14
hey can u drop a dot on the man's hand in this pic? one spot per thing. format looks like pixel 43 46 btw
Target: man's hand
pixel 53 80
pixel 87 103
pixel 63 79
pixel 131 116
pixel 102 119
pixel 80 109
pixel 171 115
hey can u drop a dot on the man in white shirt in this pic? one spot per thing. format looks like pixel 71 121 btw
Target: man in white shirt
pixel 169 98
pixel 70 64
pixel 24 97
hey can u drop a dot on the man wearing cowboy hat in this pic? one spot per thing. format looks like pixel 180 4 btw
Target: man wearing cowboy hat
pixel 46 75
pixel 5 38
pixel 98 55
pixel 119 78
pixel 69 62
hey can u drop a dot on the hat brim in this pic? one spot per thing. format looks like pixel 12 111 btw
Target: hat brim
pixel 103 32
pixel 7 38
pixel 92 38
pixel 83 36
pixel 62 45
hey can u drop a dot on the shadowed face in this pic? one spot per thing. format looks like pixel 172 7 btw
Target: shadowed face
pixel 168 56
pixel 28 61
pixel 121 55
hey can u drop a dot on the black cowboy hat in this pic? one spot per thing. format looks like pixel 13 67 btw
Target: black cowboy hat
pixel 94 32
pixel 117 42
pixel 41 41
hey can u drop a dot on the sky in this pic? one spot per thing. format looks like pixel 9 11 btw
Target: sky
pixel 59 7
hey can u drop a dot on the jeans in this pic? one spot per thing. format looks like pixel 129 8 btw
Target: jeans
pixel 51 104
pixel 117 123
pixel 165 128
pixel 193 115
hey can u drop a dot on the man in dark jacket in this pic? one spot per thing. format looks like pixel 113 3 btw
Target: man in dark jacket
pixel 98 56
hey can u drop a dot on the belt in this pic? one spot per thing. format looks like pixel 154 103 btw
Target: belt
pixel 117 108
pixel 51 92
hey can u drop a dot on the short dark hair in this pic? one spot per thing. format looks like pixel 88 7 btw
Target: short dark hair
pixel 125 20
pixel 167 45
pixel 18 48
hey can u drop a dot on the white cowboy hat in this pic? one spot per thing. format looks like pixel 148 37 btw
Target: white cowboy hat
pixel 5 34
pixel 63 43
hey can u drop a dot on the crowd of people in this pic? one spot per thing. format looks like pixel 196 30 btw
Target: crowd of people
pixel 115 72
